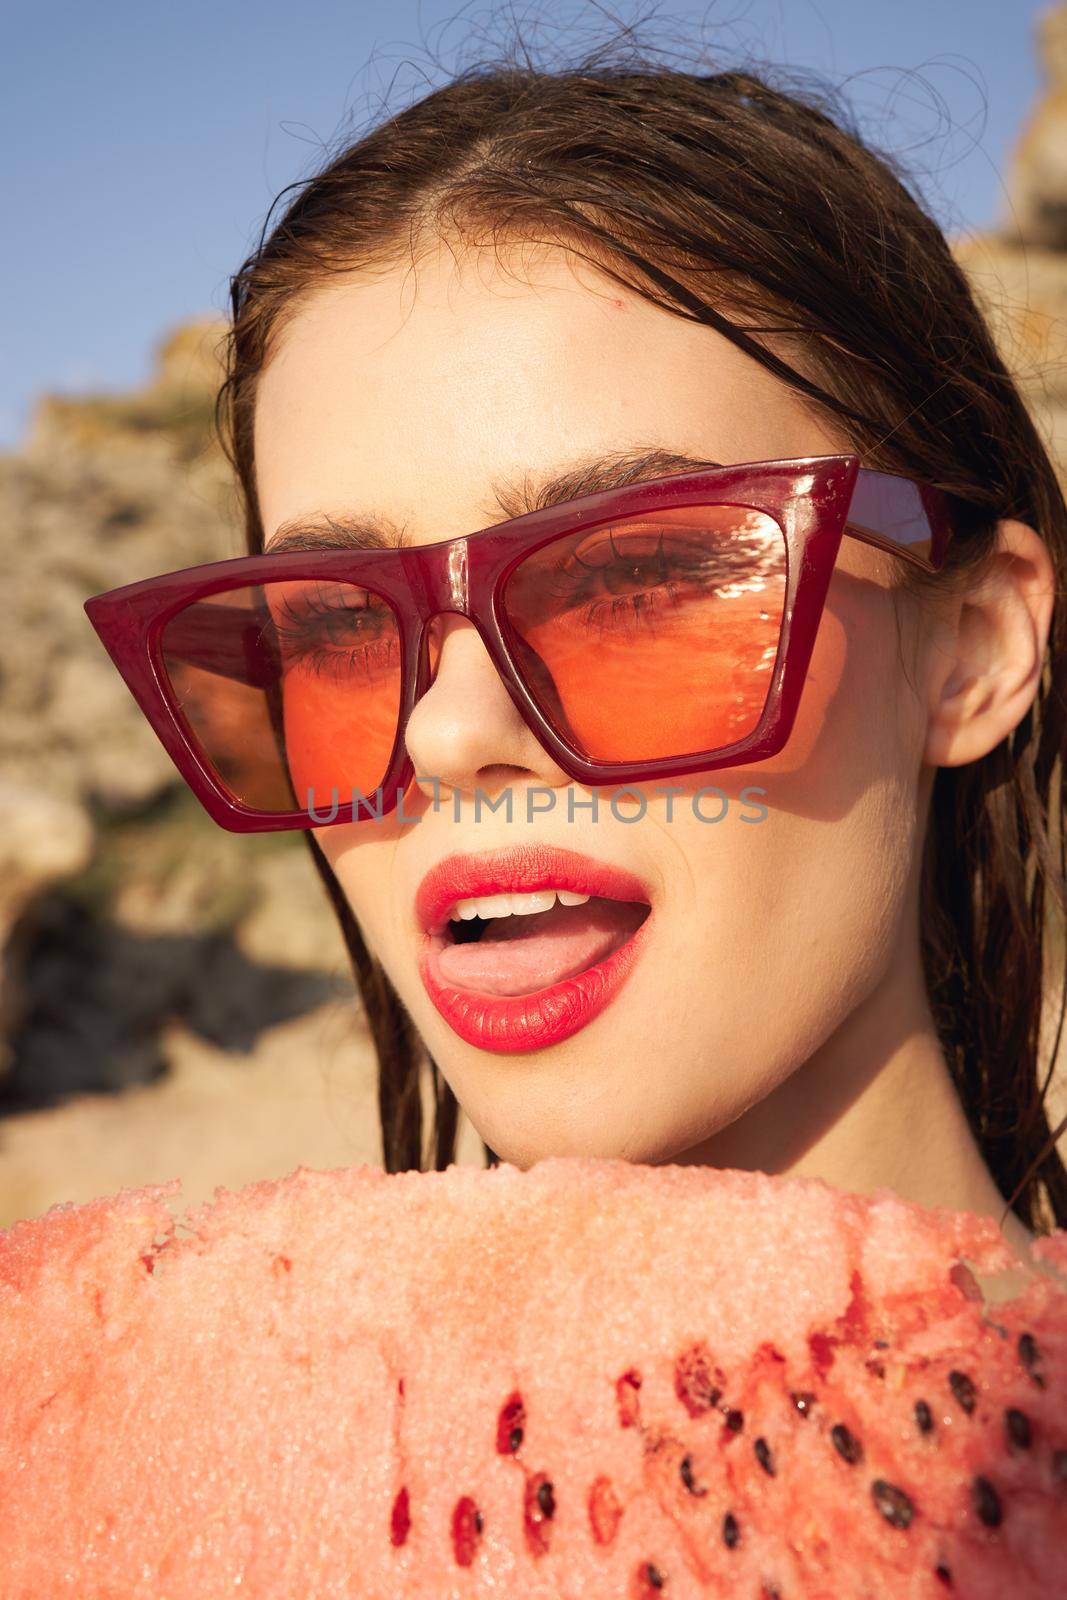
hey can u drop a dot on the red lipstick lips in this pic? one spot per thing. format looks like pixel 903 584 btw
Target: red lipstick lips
pixel 508 1022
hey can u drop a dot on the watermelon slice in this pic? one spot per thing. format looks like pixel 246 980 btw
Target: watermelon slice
pixel 585 1379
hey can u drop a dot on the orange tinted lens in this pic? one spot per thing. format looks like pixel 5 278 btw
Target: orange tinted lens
pixel 291 689
pixel 656 636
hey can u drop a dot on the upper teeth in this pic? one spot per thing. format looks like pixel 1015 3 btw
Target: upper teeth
pixel 519 905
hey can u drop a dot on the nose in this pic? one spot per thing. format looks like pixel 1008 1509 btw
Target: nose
pixel 465 730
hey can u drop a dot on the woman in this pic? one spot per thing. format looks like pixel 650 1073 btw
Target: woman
pixel 550 297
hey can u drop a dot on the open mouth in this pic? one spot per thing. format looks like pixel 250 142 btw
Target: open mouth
pixel 517 944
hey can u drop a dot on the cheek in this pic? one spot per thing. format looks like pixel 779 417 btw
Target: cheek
pixel 338 736
pixel 362 857
pixel 832 692
pixel 856 722
pixel 829 704
pixel 805 904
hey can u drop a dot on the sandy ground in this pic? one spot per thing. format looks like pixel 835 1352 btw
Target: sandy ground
pixel 304 1096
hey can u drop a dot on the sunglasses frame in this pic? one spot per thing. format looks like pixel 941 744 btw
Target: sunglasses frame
pixel 815 500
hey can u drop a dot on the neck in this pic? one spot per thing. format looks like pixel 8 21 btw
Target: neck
pixel 874 1106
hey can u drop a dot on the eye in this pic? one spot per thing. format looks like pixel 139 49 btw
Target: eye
pixel 334 629
pixel 618 563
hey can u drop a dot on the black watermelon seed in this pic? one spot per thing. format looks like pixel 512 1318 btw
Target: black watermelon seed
pixel 846 1444
pixel 804 1400
pixel 944 1575
pixel 654 1576
pixel 731 1533
pixel 893 1503
pixel 1017 1427
pixel 1059 1466
pixel 769 1592
pixel 986 1502
pixel 467 1524
pixel 510 1424
pixel 1030 1356
pixel 963 1389
pixel 881 1344
pixel 924 1417
pixel 546 1500
pixel 735 1420
pixel 686 1470
pixel 764 1457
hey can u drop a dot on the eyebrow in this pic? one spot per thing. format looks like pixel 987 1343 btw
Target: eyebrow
pixel 346 530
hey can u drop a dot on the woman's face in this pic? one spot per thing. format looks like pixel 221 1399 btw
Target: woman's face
pixel 420 396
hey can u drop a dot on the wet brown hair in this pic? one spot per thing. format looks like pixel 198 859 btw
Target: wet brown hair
pixel 755 209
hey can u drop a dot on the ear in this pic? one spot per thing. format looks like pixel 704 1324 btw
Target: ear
pixel 990 646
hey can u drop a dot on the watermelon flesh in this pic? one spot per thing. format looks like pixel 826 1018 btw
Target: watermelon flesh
pixel 585 1379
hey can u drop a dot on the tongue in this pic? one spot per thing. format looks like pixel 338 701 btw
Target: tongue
pixel 518 954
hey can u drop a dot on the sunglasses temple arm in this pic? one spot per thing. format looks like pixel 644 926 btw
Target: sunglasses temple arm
pixel 917 555
pixel 901 516
pixel 226 640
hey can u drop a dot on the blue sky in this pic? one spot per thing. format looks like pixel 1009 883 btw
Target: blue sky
pixel 141 144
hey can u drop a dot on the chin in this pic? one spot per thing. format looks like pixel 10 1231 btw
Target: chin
pixel 595 1144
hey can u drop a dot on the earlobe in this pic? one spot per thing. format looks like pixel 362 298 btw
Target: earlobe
pixel 985 674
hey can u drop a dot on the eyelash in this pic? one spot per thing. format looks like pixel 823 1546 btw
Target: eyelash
pixel 304 638
pixel 300 633
pixel 568 584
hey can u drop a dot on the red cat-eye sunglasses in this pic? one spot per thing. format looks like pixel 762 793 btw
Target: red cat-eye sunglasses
pixel 642 632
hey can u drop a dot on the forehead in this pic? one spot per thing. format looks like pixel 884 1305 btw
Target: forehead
pixel 408 392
